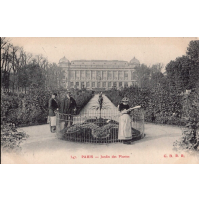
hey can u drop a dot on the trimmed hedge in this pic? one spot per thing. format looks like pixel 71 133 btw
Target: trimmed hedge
pixel 32 108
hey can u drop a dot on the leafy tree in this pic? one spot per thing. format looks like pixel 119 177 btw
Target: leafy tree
pixel 142 73
pixel 193 51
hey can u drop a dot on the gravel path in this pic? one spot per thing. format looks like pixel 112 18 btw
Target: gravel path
pixel 42 146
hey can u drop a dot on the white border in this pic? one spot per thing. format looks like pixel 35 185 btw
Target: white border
pixel 94 19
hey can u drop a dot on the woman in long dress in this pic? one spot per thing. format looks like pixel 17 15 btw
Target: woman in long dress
pixel 124 122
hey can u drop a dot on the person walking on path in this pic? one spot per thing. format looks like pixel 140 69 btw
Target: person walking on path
pixel 68 107
pixel 53 105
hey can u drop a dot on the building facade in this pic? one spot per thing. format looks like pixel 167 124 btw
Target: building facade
pixel 97 74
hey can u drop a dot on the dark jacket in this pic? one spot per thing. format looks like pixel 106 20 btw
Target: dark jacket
pixel 52 106
pixel 67 106
pixel 122 107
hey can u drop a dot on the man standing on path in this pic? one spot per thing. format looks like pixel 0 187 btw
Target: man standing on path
pixel 68 106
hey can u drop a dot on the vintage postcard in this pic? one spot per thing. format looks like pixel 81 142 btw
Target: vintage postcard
pixel 99 100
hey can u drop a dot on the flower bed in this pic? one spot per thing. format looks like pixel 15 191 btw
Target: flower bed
pixel 95 130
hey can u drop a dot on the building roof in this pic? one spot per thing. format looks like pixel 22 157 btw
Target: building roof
pixel 134 61
pixel 82 60
pixel 64 60
pixel 98 62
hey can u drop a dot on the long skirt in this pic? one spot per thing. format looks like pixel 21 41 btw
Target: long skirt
pixel 124 127
pixel 51 120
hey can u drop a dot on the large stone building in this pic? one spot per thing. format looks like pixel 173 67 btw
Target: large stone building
pixel 97 74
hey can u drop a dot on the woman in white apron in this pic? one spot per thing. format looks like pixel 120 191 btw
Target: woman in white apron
pixel 53 106
pixel 124 122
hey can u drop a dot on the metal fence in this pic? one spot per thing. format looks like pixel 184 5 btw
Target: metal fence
pixel 93 127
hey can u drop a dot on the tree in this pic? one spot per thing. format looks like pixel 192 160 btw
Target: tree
pixel 193 51
pixel 193 54
pixel 142 74
pixel 180 74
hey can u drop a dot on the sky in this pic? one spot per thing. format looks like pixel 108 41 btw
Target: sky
pixel 147 50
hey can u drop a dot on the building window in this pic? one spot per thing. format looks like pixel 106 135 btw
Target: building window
pixel 104 77
pixel 98 75
pixel 125 84
pixel 71 84
pixel 121 75
pixel 88 75
pixel 125 75
pixel 93 75
pixel 120 84
pixel 109 75
pixel 115 75
pixel 87 84
pixel 98 84
pixel 82 74
pixel 77 84
pixel 77 75
pixel 114 84
pixel 109 84
pixel 104 84
pixel 133 75
pixel 93 84
pixel 72 75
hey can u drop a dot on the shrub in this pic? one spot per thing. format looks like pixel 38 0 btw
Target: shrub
pixel 32 108
pixel 11 138
pixel 190 134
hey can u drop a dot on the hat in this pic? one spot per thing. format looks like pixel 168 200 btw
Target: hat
pixel 125 99
pixel 55 94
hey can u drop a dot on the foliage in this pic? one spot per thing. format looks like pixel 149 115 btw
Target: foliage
pixel 20 70
pixel 31 75
pixel 32 108
pixel 11 138
pixel 82 97
pixel 91 129
pixel 190 135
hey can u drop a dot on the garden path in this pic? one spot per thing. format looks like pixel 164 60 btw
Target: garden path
pixel 109 111
pixel 42 146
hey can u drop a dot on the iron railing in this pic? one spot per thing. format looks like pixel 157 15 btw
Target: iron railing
pixel 96 128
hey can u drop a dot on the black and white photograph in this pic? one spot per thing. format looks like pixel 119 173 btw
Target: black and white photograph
pixel 99 100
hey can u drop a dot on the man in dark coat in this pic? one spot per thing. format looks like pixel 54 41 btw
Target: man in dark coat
pixel 68 106
pixel 52 106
